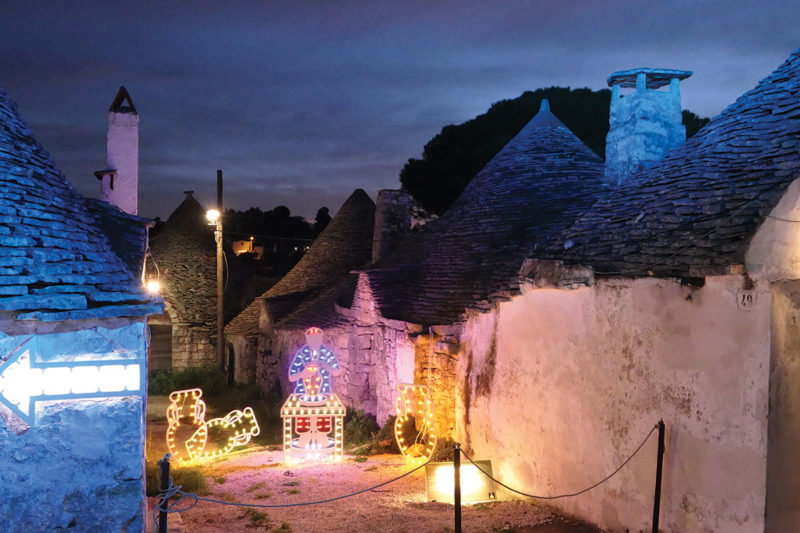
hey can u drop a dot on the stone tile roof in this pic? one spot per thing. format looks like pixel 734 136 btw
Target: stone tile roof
pixel 127 234
pixel 305 296
pixel 185 252
pixel 535 186
pixel 694 212
pixel 55 262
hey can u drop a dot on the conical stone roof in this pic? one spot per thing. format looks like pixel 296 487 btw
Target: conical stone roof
pixel 185 253
pixel 55 264
pixel 344 244
pixel 536 185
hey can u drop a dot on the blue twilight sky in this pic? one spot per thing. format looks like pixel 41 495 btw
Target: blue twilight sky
pixel 301 102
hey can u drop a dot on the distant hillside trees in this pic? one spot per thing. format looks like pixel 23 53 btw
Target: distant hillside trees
pixel 457 153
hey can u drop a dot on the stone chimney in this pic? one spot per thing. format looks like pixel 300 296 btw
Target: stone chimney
pixel 644 124
pixel 392 221
pixel 120 182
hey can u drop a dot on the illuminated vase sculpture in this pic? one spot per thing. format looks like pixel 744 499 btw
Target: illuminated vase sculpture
pixel 191 438
pixel 414 428
pixel 313 416
pixel 187 432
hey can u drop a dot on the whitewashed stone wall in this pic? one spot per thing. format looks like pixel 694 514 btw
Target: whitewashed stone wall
pixel 559 387
pixel 80 466
pixel 643 127
pixel 122 155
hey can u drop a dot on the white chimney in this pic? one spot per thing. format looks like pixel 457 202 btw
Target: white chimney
pixel 120 182
pixel 645 124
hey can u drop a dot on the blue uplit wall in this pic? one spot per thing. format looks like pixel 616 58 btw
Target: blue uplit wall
pixel 78 466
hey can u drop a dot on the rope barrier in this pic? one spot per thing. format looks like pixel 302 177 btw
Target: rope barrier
pixel 175 490
pixel 612 474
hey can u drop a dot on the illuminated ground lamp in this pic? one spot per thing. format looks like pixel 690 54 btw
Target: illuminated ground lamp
pixel 414 428
pixel 312 412
pixel 475 486
pixel 189 434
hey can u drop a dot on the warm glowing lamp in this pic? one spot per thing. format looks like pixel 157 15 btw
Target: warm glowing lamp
pixel 212 215
pixel 475 486
pixel 154 286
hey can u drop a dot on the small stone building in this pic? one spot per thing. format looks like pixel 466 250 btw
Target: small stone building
pixel 185 254
pixel 72 353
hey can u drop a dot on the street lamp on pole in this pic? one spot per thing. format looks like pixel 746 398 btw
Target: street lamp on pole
pixel 215 218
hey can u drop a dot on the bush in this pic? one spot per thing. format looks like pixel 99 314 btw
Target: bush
pixel 381 441
pixel 210 380
pixel 443 451
pixel 189 478
pixel 359 426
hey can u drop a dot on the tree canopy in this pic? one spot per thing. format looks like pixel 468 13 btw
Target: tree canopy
pixel 457 153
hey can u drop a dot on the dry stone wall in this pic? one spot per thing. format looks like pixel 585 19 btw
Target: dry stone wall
pixel 192 347
pixel 435 364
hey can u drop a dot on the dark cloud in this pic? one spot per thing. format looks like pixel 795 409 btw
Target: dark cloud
pixel 301 102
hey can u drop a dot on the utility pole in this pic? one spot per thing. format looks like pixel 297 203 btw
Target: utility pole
pixel 218 239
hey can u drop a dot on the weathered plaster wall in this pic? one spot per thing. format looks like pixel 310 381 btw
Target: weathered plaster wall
pixel 774 251
pixel 559 387
pixel 783 467
pixel 79 467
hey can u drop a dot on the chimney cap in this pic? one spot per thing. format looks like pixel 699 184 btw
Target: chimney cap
pixel 122 102
pixel 656 77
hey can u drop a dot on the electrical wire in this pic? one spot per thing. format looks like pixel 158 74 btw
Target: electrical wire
pixel 612 474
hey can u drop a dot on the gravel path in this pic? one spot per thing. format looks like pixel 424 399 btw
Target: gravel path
pixel 259 476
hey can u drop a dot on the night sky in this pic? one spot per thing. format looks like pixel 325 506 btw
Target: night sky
pixel 301 102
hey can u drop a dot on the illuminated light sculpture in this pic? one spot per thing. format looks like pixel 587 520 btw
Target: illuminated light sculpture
pixel 186 416
pixel 414 427
pixel 312 412
pixel 189 434
pixel 475 486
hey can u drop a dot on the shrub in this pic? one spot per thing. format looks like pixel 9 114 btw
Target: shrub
pixel 359 427
pixel 189 478
pixel 211 380
pixel 257 518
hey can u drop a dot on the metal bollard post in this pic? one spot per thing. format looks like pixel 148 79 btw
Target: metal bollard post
pixel 659 471
pixel 457 485
pixel 162 504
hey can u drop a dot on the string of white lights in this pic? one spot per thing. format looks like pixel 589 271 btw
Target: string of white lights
pixel 612 474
